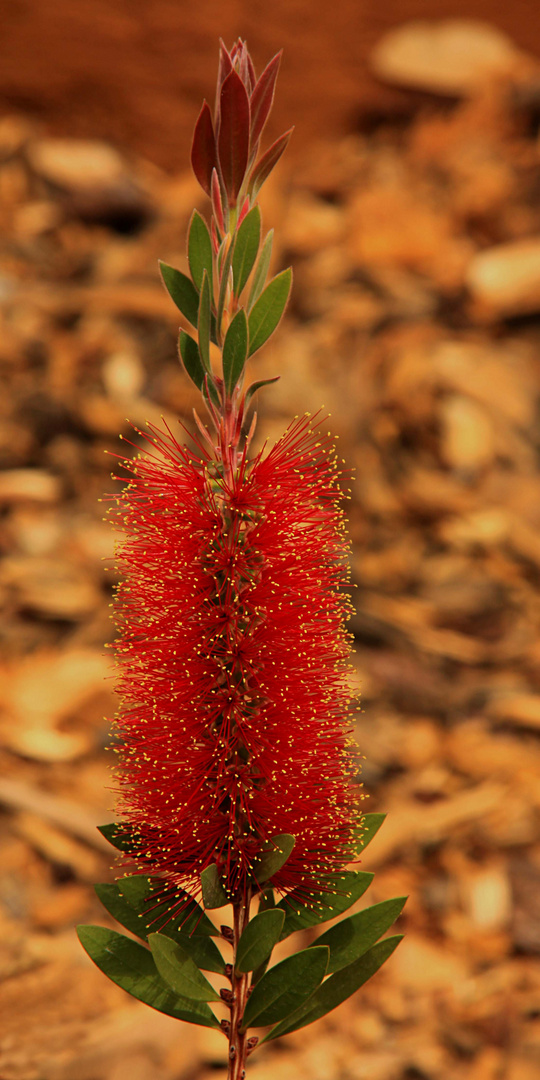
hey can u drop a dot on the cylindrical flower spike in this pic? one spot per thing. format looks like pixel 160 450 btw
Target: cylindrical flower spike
pixel 237 773
pixel 233 656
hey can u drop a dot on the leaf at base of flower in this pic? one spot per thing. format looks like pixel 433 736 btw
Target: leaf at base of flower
pixel 268 310
pixel 258 939
pixel 119 835
pixel 352 937
pixel 214 894
pixel 367 829
pixel 179 971
pixel 132 967
pixel 189 918
pixel 337 988
pixel 274 855
pixel 337 893
pixel 284 987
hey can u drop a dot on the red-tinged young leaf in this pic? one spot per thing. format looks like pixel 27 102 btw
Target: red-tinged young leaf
pixel 203 149
pixel 191 359
pixel 132 967
pixel 179 971
pixel 284 987
pixel 224 282
pixel 267 162
pixel 199 250
pixel 268 310
pixel 217 205
pixel 262 98
pixel 246 246
pixel 233 134
pixel 224 68
pixel 337 988
pixel 261 270
pixel 235 350
pixel 258 939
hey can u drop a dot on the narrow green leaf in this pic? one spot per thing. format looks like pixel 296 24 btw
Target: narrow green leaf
pixel 179 971
pixel 268 309
pixel 199 250
pixel 203 322
pixel 352 937
pixel 235 350
pixel 189 354
pixel 246 247
pixel 189 918
pixel 131 966
pixel 285 987
pixel 340 892
pixel 368 828
pixel 257 386
pixel 118 907
pixel 258 939
pixel 225 267
pixel 199 946
pixel 120 835
pixel 261 270
pixel 337 988
pixel 182 290
pixel 214 894
pixel 275 855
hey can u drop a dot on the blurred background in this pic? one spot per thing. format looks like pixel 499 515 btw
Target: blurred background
pixel 408 205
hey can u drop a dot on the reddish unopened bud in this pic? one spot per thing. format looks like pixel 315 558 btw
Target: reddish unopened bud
pixel 251 1044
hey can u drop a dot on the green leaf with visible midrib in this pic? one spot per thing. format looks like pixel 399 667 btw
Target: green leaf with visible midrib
pixel 352 937
pixel 246 246
pixel 337 988
pixel 118 907
pixel 179 971
pixel 131 966
pixel 235 350
pixel 190 356
pixel 258 939
pixel 182 291
pixel 268 310
pixel 341 891
pixel 199 250
pixel 284 987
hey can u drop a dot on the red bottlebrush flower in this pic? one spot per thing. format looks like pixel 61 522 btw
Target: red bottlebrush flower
pixel 233 663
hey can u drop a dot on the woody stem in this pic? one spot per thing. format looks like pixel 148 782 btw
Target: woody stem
pixel 238 1039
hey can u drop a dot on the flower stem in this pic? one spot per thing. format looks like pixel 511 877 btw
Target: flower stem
pixel 237 1038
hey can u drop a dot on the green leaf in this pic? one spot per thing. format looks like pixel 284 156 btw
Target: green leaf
pixel 261 271
pixel 337 988
pixel 120 835
pixel 179 971
pixel 341 890
pixel 352 937
pixel 189 918
pixel 235 349
pixel 203 322
pixel 214 894
pixel 277 851
pixel 285 987
pixel 189 354
pixel 368 828
pixel 258 939
pixel 267 900
pixel 118 907
pixel 131 966
pixel 246 247
pixel 141 922
pixel 257 386
pixel 268 309
pixel 199 250
pixel 182 290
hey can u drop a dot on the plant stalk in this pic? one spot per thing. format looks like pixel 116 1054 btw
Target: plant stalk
pixel 237 1038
